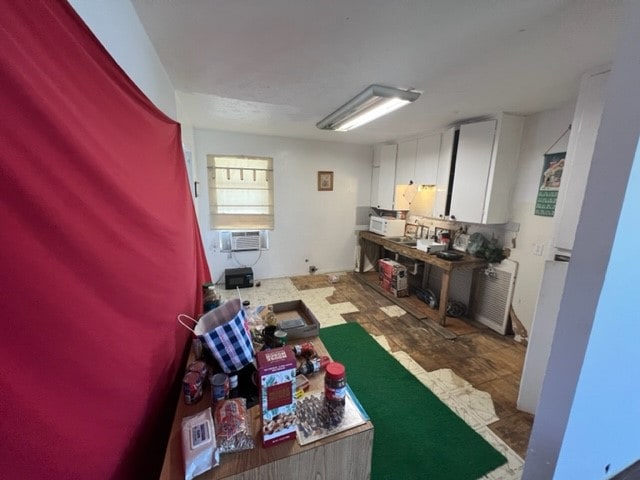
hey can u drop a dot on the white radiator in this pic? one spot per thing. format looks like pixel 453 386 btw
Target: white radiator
pixel 493 294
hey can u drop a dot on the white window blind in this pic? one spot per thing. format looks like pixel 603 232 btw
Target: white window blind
pixel 240 192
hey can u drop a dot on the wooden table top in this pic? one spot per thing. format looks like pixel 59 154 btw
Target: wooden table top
pixel 234 463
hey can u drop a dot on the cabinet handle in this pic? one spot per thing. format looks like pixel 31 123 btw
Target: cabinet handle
pixel 452 217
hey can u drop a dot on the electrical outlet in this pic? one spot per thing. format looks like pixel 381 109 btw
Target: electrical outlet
pixel 538 248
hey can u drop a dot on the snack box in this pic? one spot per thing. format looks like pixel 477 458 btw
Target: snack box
pixel 277 372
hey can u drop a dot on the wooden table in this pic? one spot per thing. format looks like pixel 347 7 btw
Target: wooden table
pixel 446 266
pixel 346 455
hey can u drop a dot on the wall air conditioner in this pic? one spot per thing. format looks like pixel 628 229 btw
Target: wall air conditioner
pixel 494 287
pixel 243 241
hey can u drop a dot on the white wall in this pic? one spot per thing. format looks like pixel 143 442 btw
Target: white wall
pixel 115 23
pixel 608 388
pixel 588 419
pixel 313 225
pixel 540 133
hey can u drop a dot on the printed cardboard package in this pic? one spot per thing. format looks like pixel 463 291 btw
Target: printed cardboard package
pixel 277 371
pixel 393 277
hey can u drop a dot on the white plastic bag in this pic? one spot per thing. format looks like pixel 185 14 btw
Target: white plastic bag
pixel 199 448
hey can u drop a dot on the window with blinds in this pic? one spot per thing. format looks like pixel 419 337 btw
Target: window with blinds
pixel 240 192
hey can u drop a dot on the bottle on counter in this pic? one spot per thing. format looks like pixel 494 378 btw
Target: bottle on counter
pixel 313 365
pixel 305 349
pixel 233 385
pixel 210 297
pixel 271 318
pixel 246 308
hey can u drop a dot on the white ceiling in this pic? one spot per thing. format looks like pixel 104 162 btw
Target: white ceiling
pixel 276 67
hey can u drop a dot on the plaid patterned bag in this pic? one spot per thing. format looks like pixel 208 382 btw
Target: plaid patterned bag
pixel 223 331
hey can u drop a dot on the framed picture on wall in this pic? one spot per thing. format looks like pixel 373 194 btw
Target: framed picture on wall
pixel 325 181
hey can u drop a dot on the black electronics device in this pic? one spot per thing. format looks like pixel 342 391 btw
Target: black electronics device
pixel 238 277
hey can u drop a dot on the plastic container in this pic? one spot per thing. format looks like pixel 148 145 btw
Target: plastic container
pixel 335 383
pixel 219 387
pixel 280 337
pixel 192 388
pixel 335 393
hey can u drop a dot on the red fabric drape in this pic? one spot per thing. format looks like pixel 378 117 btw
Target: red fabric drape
pixel 99 252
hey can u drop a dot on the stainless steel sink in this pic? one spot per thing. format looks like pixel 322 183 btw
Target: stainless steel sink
pixel 406 241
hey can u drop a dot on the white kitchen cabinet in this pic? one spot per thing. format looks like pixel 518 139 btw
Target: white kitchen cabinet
pixel 418 160
pixel 383 176
pixel 427 159
pixel 473 159
pixel 406 162
pixel 485 168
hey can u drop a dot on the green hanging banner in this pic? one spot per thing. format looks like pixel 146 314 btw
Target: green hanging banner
pixel 550 184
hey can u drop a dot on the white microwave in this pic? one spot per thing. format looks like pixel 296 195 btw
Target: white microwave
pixel 387 227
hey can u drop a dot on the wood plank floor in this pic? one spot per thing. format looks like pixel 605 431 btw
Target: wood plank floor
pixel 489 361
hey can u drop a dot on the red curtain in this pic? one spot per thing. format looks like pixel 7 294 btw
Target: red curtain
pixel 100 250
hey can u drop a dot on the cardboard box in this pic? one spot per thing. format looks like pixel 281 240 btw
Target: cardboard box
pixel 391 268
pixel 277 372
pixel 430 246
pixel 399 283
pixel 389 286
pixel 393 277
pixel 296 319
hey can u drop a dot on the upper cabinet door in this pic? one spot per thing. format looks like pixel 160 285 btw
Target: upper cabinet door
pixel 406 163
pixel 427 158
pixel 443 173
pixel 473 160
pixel 383 178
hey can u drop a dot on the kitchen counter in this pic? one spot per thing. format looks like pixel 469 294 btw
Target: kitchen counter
pixel 447 266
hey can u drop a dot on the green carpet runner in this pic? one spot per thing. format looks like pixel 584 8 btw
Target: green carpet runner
pixel 416 436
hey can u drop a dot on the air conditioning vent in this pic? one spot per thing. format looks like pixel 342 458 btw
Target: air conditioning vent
pixel 493 294
pixel 245 241
pixel 242 241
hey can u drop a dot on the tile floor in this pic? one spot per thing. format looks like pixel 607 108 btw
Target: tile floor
pixel 474 406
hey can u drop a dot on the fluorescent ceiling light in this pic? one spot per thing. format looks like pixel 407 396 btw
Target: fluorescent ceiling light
pixel 372 103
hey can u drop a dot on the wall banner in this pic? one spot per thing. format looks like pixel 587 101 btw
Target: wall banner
pixel 549 184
